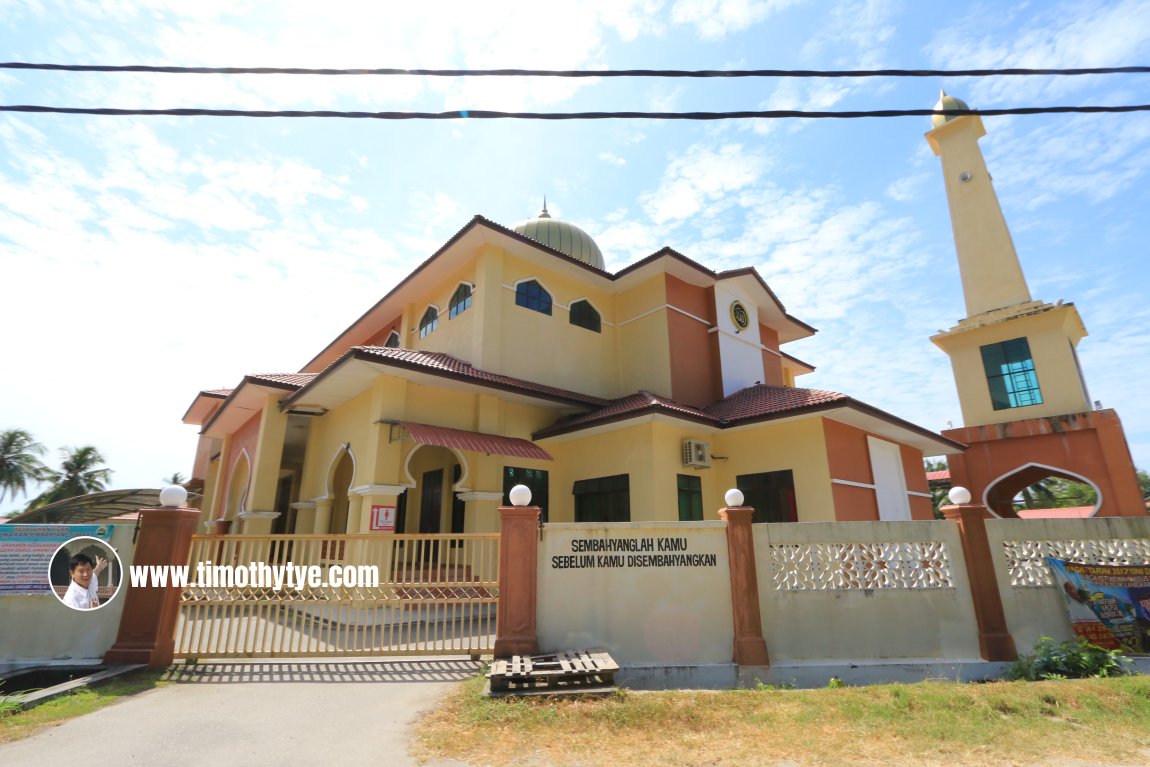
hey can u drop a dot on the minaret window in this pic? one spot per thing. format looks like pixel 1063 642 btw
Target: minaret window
pixel 531 295
pixel 392 340
pixel 584 315
pixel 429 322
pixel 1010 374
pixel 460 301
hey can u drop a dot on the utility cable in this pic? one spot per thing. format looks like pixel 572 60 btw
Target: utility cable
pixel 481 114
pixel 693 73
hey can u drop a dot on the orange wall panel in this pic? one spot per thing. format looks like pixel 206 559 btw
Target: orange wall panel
pixel 847 453
pixel 854 504
pixel 772 363
pixel 695 373
pixel 380 338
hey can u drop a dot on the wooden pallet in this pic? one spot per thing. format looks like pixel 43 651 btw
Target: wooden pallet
pixel 560 673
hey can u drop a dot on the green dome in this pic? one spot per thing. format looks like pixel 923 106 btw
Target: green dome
pixel 946 102
pixel 562 236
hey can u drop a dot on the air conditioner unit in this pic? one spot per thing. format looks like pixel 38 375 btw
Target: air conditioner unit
pixel 696 454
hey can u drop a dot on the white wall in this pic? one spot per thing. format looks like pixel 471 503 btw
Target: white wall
pixel 641 614
pixel 40 627
pixel 858 591
pixel 1034 608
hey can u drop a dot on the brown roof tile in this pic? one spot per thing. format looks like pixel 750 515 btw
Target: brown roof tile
pixel 291 379
pixel 750 403
pixel 445 364
pixel 760 399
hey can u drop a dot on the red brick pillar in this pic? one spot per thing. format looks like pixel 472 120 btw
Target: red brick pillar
pixel 994 640
pixel 750 647
pixel 515 632
pixel 148 623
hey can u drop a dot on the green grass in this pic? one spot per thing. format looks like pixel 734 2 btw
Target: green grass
pixel 16 723
pixel 1001 723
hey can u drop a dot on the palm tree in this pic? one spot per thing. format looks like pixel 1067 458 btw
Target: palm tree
pixel 175 479
pixel 19 462
pixel 81 472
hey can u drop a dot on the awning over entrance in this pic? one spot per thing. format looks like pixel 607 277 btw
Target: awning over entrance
pixel 441 436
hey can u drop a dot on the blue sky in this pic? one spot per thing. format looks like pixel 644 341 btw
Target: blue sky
pixel 144 259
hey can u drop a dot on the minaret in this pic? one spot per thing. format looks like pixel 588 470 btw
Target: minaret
pixel 1025 409
pixel 991 275
pixel 1013 357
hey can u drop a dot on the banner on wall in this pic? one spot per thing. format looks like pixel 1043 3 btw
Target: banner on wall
pixel 26 552
pixel 383 518
pixel 1109 605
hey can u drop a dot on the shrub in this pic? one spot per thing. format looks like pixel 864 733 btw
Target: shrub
pixel 1072 659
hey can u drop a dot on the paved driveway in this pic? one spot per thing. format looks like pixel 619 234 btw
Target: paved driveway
pixel 280 713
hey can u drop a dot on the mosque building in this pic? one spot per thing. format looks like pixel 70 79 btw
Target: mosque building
pixel 511 356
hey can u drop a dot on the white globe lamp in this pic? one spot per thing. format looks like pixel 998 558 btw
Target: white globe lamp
pixel 173 496
pixel 959 496
pixel 734 497
pixel 520 495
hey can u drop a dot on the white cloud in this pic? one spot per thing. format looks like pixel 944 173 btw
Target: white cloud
pixel 701 178
pixel 715 19
pixel 612 158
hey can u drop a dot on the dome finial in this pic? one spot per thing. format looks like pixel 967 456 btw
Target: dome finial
pixel 945 103
pixel 544 214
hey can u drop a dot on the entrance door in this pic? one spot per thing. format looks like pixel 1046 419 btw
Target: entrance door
pixel 430 513
pixel 431 501
pixel 889 480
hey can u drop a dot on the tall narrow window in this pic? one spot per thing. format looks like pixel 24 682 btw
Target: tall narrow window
pixel 584 315
pixel 604 499
pixel 1010 374
pixel 458 505
pixel 392 340
pixel 429 322
pixel 690 498
pixel 772 494
pixel 531 295
pixel 401 513
pixel 460 301
pixel 535 480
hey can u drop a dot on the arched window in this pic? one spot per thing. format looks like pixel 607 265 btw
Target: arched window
pixel 584 315
pixel 531 295
pixel 460 301
pixel 429 322
pixel 392 340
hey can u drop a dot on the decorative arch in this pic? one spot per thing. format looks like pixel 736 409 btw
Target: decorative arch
pixel 341 477
pixel 332 465
pixel 465 469
pixel 238 487
pixel 1000 491
pixel 392 341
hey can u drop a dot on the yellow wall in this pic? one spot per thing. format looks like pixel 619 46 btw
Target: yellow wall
pixel 1050 334
pixel 651 454
pixel 349 423
pixel 644 345
pixel 459 336
pixel 549 349
pixel 796 445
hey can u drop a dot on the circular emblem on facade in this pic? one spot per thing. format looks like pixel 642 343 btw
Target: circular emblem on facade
pixel 739 315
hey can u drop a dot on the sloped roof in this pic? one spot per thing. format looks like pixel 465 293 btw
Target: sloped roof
pixel 760 399
pixel 447 366
pixel 750 405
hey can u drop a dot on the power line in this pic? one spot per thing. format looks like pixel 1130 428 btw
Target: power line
pixel 481 114
pixel 693 73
